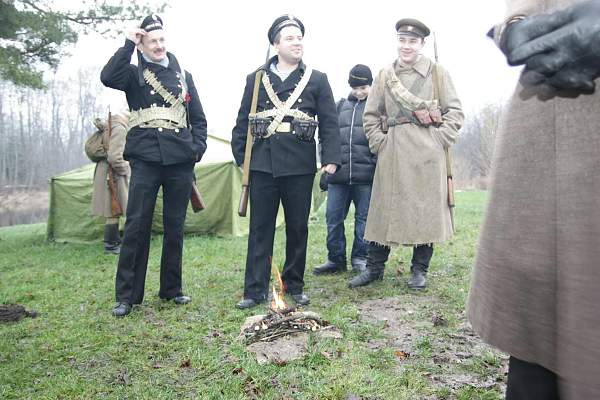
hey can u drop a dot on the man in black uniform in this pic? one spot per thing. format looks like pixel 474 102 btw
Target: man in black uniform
pixel 283 163
pixel 167 136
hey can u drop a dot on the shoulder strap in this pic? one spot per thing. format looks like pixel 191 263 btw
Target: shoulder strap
pixel 249 139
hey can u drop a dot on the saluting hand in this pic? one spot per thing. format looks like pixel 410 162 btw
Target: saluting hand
pixel 135 35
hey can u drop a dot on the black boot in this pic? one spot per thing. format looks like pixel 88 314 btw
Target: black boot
pixel 112 239
pixel 329 267
pixel 420 264
pixel 376 258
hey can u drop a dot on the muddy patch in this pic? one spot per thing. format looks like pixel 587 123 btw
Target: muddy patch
pixel 406 321
pixel 399 321
pixel 15 312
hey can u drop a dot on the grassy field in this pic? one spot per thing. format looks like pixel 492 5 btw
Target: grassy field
pixel 76 349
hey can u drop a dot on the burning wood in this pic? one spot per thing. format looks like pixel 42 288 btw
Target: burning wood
pixel 281 319
pixel 279 323
pixel 278 302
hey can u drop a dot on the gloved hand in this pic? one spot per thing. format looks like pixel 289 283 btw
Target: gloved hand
pixel 323 184
pixel 559 50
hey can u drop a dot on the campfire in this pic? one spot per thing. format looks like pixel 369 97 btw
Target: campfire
pixel 281 320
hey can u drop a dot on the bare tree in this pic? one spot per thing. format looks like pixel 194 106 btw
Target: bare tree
pixel 475 149
pixel 42 132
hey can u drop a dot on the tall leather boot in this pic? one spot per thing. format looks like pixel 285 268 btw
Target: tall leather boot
pixel 376 258
pixel 112 239
pixel 420 265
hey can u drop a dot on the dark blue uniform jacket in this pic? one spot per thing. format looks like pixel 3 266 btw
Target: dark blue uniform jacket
pixel 283 154
pixel 149 144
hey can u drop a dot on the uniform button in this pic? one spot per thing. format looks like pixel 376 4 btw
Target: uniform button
pixel 267 101
pixel 154 105
pixel 299 100
pixel 152 92
pixel 176 130
pixel 160 129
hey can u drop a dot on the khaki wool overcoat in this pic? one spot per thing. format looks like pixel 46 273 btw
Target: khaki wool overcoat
pixel 101 195
pixel 535 290
pixel 409 197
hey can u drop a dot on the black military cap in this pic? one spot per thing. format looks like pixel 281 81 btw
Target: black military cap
pixel 360 75
pixel 412 27
pixel 282 22
pixel 152 23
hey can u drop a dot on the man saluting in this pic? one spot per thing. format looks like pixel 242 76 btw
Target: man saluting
pixel 167 136
pixel 283 164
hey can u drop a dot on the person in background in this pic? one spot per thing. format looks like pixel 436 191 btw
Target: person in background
pixel 101 195
pixel 352 182
pixel 412 116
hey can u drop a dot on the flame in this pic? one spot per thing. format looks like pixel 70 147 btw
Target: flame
pixel 278 303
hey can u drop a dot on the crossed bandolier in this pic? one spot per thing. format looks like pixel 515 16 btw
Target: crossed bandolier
pixel 266 123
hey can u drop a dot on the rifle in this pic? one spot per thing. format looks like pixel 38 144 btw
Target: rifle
pixel 115 206
pixel 243 206
pixel 196 199
pixel 436 90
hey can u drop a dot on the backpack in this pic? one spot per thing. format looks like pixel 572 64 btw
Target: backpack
pixel 94 148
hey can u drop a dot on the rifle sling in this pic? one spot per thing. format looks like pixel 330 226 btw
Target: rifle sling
pixel 249 138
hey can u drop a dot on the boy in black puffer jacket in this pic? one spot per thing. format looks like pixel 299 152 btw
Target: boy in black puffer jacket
pixel 353 181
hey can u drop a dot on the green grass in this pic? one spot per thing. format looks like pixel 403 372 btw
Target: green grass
pixel 76 349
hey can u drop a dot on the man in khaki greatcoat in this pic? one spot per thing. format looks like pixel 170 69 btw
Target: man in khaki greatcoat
pixel 101 196
pixel 535 290
pixel 409 199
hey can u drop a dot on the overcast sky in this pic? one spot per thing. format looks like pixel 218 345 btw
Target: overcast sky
pixel 220 42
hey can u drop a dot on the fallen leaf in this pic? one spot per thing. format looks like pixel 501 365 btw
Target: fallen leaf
pixel 401 354
pixel 438 320
pixel 186 364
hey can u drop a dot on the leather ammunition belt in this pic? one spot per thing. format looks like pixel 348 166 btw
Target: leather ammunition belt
pixel 284 109
pixel 303 129
pixel 173 117
pixel 402 121
pixel 158 117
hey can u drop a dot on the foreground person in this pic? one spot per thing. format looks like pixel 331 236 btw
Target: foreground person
pixel 352 183
pixel 536 284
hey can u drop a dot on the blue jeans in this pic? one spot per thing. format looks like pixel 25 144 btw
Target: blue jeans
pixel 339 198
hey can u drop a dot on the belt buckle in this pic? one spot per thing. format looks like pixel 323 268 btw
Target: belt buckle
pixel 284 127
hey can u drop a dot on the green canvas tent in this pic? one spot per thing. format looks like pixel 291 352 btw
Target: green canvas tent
pixel 70 218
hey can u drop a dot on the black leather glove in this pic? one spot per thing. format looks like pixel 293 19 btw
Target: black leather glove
pixel 560 50
pixel 323 184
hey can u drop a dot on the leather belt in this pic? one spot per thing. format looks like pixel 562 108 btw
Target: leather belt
pixel 401 121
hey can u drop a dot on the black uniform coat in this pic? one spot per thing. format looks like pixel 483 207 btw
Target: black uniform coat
pixel 283 154
pixel 358 163
pixel 149 144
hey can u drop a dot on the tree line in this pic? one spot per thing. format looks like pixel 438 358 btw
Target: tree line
pixel 42 131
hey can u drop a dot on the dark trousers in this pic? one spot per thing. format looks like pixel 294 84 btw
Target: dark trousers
pixel 339 198
pixel 295 194
pixel 146 179
pixel 527 381
pixel 378 256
